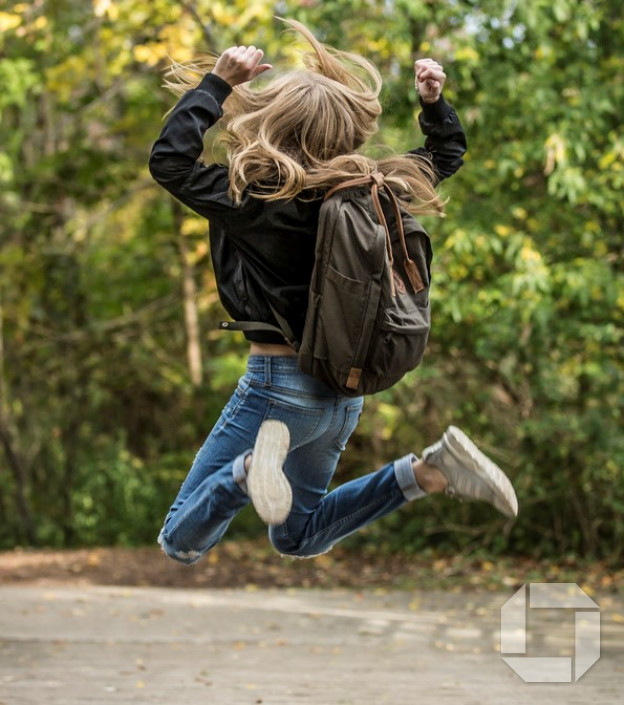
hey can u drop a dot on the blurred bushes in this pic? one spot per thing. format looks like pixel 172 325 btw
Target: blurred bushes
pixel 100 415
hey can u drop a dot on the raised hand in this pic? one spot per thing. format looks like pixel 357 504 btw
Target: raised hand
pixel 240 64
pixel 429 80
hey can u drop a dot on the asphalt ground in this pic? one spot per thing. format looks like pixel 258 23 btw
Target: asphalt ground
pixel 102 645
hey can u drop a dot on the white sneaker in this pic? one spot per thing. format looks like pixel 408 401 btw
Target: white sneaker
pixel 470 473
pixel 267 485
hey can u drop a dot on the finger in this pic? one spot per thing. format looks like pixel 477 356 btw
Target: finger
pixel 434 74
pixel 427 65
pixel 251 50
pixel 233 53
pixel 425 62
pixel 252 56
pixel 255 55
pixel 262 68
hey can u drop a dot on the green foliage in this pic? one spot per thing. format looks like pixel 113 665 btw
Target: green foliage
pixel 100 412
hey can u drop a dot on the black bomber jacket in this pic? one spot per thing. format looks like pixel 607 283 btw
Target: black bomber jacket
pixel 263 251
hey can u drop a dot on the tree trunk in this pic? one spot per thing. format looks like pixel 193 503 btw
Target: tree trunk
pixel 189 294
pixel 19 475
pixel 14 460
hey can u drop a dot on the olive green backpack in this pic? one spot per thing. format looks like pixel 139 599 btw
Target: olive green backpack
pixel 368 315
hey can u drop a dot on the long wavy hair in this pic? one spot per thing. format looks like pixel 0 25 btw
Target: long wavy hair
pixel 301 131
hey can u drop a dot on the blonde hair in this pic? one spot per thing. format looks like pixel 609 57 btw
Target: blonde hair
pixel 301 131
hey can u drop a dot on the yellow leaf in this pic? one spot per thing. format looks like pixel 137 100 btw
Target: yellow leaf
pixel 607 159
pixel 219 12
pixel 149 54
pixel 466 54
pixel 528 254
pixel 94 558
pixel 502 230
pixel 193 226
pixel 519 213
pixel 556 150
pixel 8 21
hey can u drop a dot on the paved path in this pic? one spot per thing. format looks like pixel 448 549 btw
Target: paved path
pixel 97 646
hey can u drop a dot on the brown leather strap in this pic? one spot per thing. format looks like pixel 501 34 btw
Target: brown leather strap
pixel 377 181
pixel 358 181
pixel 411 270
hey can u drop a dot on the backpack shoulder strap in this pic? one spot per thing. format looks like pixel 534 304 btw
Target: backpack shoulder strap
pixel 377 181
pixel 358 181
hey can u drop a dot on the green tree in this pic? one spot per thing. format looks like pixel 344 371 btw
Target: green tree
pixel 111 369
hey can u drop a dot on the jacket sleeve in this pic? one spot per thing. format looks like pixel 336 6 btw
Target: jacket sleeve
pixel 174 158
pixel 445 142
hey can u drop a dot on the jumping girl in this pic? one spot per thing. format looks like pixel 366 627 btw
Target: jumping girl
pixel 289 139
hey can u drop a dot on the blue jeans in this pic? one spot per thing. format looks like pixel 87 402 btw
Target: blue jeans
pixel 320 423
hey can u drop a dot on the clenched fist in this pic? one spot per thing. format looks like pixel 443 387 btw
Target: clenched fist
pixel 429 79
pixel 240 64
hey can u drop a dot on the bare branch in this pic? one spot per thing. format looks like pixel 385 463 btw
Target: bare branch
pixel 206 31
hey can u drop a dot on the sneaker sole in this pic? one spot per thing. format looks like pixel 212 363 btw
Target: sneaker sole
pixel 267 485
pixel 466 452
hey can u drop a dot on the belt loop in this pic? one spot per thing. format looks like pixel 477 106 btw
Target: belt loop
pixel 267 370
